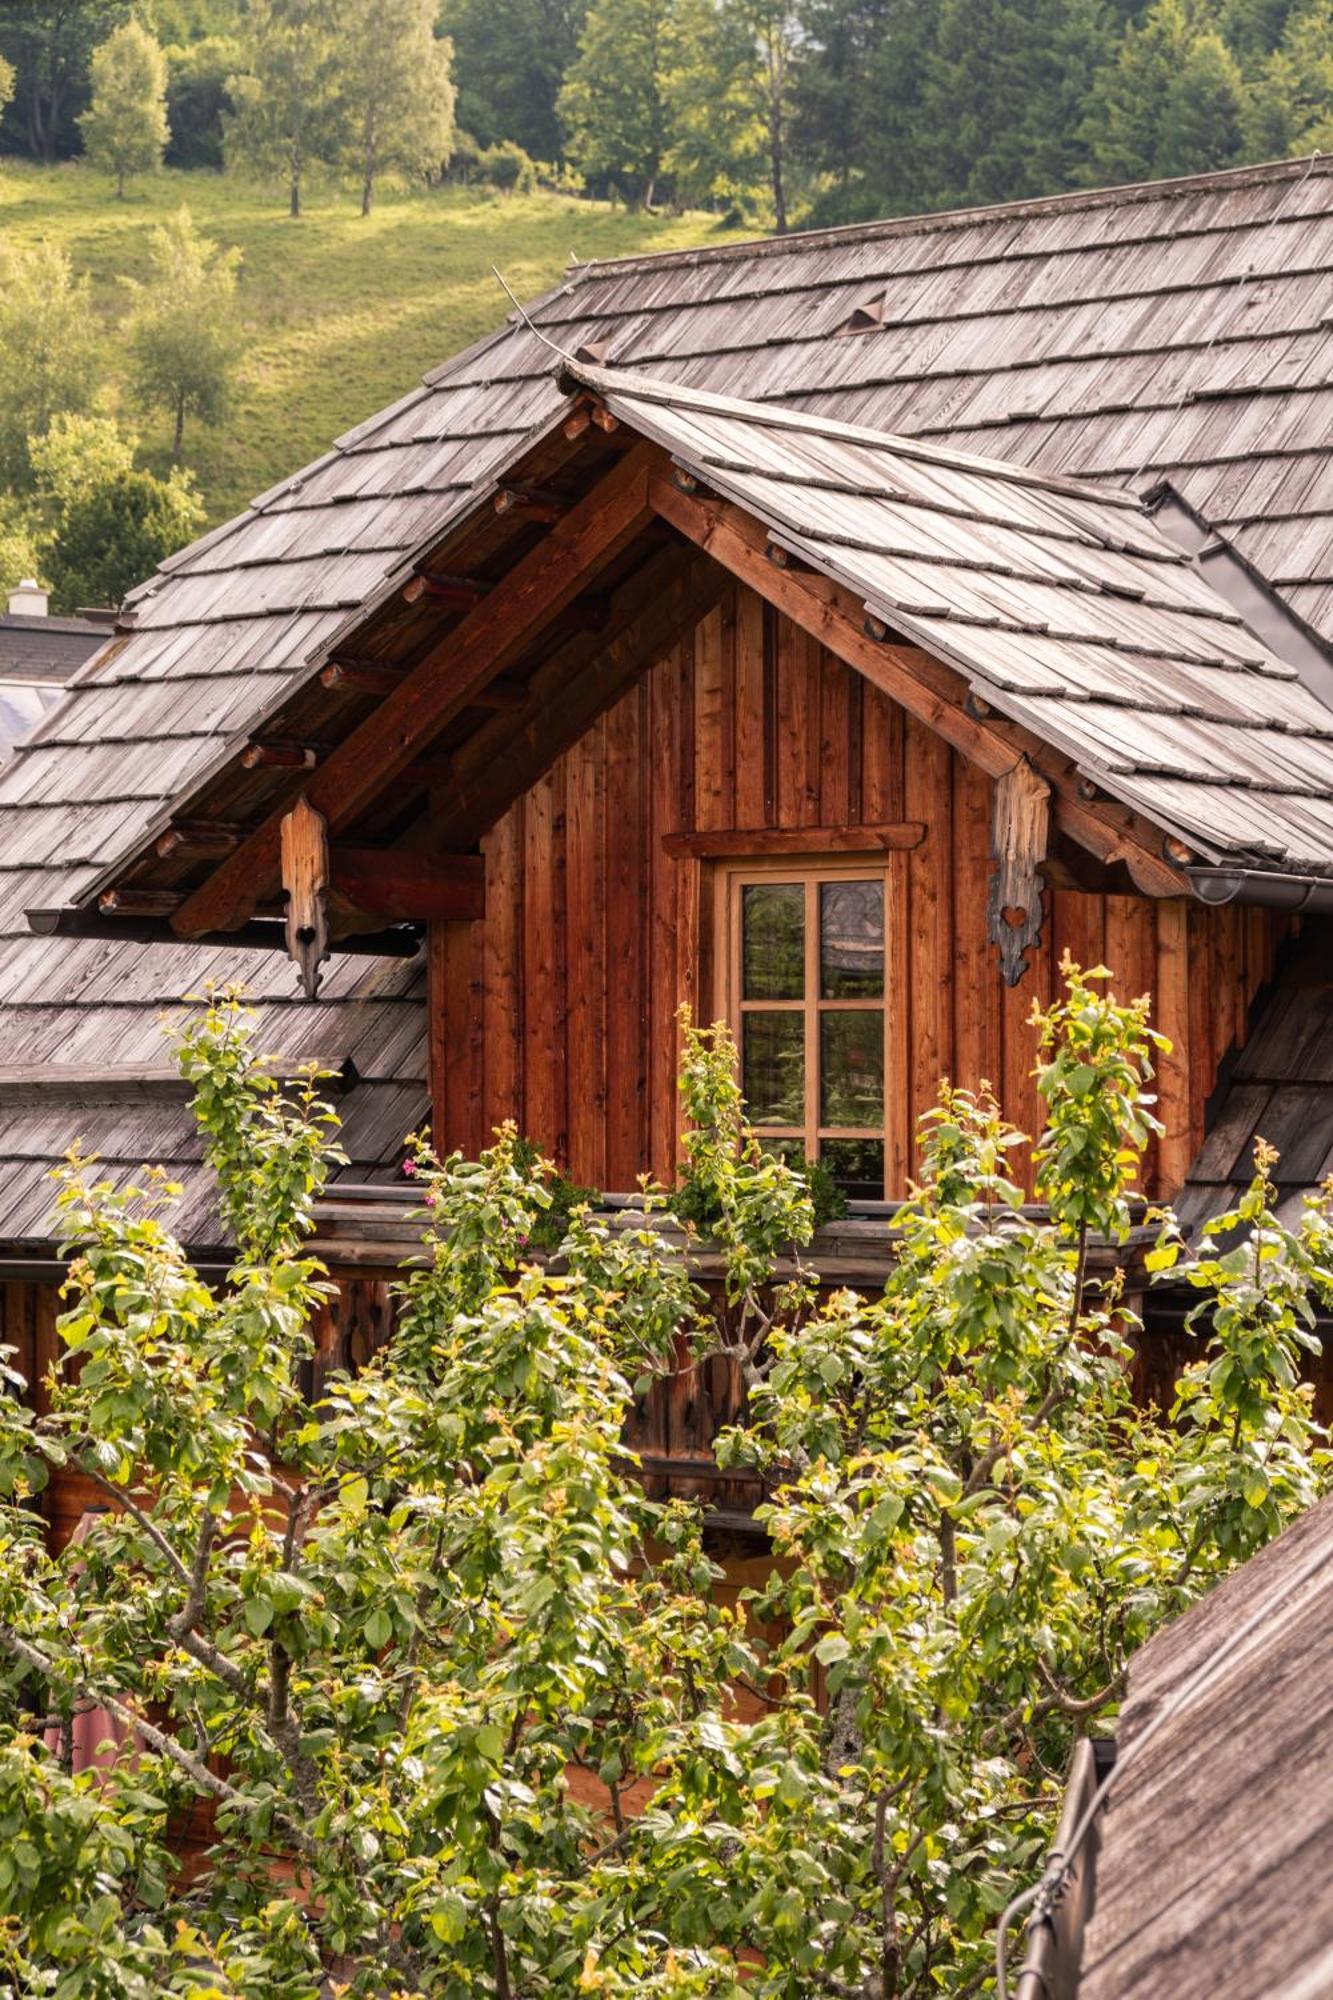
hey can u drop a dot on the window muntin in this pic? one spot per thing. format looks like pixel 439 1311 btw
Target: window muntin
pixel 807 990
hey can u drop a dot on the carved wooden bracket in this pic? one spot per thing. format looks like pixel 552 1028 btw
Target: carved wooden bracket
pixel 1019 834
pixel 305 877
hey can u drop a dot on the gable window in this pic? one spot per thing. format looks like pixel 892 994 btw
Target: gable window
pixel 806 980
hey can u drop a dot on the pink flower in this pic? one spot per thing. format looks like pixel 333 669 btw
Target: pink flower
pixel 429 1200
pixel 409 1169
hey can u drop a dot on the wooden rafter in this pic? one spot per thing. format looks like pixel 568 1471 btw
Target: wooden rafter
pixel 497 764
pixel 916 680
pixel 447 680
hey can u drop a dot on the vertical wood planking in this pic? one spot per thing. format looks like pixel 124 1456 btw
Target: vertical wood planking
pixel 627 867
pixel 930 905
pixel 546 1052
pixel 585 898
pixel 1078 928
pixel 898 1086
pixel 664 996
pixel 1171 1010
pixel 437 1035
pixel 882 737
pixel 1131 954
pixel 749 732
pixel 712 740
pixel 502 1003
pixel 977 985
pixel 834 742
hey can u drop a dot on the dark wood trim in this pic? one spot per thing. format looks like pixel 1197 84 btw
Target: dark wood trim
pixel 754 842
pixel 447 680
pixel 935 693
pixel 409 886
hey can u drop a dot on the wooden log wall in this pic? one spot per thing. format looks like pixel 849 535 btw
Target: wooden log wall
pixel 558 1008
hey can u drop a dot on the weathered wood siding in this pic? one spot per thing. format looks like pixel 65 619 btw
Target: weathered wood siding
pixel 558 1008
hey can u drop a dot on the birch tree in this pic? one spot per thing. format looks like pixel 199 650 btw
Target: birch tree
pixel 397 91
pixel 125 128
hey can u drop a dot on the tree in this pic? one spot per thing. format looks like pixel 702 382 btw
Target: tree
pixel 199 100
pixel 286 100
pixel 510 60
pixel 125 128
pixel 613 103
pixel 50 43
pixel 114 534
pixel 1170 102
pixel 377 1631
pixel 1006 94
pixel 185 337
pixel 398 97
pixel 729 99
pixel 49 349
pixel 1289 104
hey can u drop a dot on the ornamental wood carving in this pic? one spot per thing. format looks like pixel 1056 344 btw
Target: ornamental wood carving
pixel 1020 830
pixel 305 877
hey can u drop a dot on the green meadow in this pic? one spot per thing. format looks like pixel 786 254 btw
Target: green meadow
pixel 343 314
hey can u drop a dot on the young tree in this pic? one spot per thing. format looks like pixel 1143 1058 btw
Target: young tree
pixel 377 1632
pixel 729 93
pixel 286 101
pixel 185 337
pixel 397 93
pixel 113 534
pixel 613 103
pixel 125 127
pixel 49 349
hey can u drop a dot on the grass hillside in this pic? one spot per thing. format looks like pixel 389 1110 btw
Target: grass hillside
pixel 343 314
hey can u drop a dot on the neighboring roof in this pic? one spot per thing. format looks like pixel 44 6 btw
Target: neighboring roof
pixel 1212 1879
pixel 37 657
pixel 1128 335
pixel 1065 607
pixel 1279 1087
pixel 47 649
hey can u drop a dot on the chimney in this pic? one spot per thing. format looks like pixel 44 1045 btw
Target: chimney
pixel 27 599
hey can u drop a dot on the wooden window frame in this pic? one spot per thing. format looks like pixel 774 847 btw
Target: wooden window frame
pixel 811 870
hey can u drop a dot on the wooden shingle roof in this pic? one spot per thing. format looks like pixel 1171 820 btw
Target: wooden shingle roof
pixel 1211 1880
pixel 1063 605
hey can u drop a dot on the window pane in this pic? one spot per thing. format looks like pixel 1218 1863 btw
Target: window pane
pixel 773 941
pixel 851 940
pixel 857 1165
pixel 773 1068
pixel 852 1068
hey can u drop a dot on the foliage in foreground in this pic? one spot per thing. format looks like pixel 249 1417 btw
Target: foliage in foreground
pixel 427 1650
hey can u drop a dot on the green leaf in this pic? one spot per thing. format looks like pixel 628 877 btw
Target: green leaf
pixel 258 1615
pixel 378 1628
pixel 833 1646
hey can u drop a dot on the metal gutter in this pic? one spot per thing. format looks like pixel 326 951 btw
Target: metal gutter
pixel 1050 1970
pixel 1217 885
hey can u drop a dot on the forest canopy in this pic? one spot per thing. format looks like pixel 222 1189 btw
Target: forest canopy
pixel 780 112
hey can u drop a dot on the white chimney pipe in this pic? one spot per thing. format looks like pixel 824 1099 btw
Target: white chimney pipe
pixel 28 599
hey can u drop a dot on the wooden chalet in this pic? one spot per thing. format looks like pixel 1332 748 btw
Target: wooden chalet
pixel 828 633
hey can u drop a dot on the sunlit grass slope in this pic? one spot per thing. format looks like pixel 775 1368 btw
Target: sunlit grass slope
pixel 343 314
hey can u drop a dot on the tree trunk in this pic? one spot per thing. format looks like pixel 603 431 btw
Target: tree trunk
pixel 180 425
pixel 294 205
pixel 367 194
pixel 120 183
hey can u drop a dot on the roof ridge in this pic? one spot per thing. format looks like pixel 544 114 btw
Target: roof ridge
pixel 658 389
pixel 1119 194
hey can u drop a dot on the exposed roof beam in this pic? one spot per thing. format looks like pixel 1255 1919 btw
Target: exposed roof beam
pixel 917 681
pixel 407 884
pixel 568 692
pixel 264 935
pixel 450 678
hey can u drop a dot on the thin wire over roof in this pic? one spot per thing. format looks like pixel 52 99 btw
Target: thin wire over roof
pixel 1065 607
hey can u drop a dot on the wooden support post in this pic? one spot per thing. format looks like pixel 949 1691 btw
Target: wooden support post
pixel 132 902
pixel 1019 833
pixel 305 877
